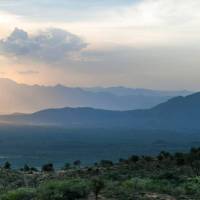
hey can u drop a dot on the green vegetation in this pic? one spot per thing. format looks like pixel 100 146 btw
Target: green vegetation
pixel 166 176
pixel 20 194
pixel 64 190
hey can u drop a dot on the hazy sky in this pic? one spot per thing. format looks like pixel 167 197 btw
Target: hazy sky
pixel 138 43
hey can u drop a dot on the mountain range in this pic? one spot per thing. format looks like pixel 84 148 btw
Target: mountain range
pixel 15 97
pixel 179 113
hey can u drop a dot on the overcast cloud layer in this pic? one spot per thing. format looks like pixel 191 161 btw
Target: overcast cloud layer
pixel 138 43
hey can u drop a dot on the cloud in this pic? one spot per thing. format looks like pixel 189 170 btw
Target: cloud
pixel 150 13
pixel 128 22
pixel 115 12
pixel 28 72
pixel 49 46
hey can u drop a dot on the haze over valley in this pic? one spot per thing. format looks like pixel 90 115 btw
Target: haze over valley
pixel 179 113
pixel 22 98
pixel 99 100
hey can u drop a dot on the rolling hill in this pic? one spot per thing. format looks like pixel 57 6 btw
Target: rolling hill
pixel 179 113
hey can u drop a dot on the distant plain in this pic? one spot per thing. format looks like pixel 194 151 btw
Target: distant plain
pixel 38 145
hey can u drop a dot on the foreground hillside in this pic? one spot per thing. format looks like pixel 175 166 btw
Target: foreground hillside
pixel 179 113
pixel 163 177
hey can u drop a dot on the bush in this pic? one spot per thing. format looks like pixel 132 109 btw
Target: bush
pixel 106 163
pixel 135 184
pixel 77 163
pixel 192 186
pixel 146 184
pixel 26 168
pixel 19 194
pixel 134 158
pixel 64 190
pixel 67 166
pixel 7 165
pixel 48 167
pixel 160 186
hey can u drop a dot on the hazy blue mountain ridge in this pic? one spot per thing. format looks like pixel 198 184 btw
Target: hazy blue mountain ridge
pixel 23 98
pixel 179 113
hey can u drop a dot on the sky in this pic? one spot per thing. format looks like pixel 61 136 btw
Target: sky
pixel 136 43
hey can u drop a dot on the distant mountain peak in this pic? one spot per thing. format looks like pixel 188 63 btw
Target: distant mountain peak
pixel 22 98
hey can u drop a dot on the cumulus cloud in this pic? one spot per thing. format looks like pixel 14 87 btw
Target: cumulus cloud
pixel 50 46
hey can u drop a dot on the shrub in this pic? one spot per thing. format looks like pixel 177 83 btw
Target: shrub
pixel 66 166
pixel 48 167
pixel 19 194
pixel 192 186
pixel 135 184
pixel 77 163
pixel 106 163
pixel 160 186
pixel 64 190
pixel 134 158
pixel 7 165
pixel 146 184
pixel 26 168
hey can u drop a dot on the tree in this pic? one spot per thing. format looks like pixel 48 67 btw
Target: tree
pixel 77 163
pixel 180 159
pixel 34 169
pixel 66 166
pixel 121 160
pixel 148 158
pixel 134 158
pixel 26 168
pixel 164 155
pixel 7 165
pixel 97 186
pixel 196 167
pixel 106 163
pixel 48 167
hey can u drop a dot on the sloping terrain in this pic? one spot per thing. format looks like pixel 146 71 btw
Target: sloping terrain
pixel 180 113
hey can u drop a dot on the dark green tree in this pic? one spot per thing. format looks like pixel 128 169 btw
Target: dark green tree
pixel 77 163
pixel 26 168
pixel 66 166
pixel 134 158
pixel 106 163
pixel 48 167
pixel 7 165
